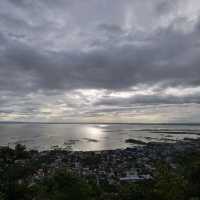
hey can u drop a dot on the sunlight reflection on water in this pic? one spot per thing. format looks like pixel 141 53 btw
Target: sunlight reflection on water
pixel 88 137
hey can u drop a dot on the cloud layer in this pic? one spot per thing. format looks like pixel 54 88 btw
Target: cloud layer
pixel 122 60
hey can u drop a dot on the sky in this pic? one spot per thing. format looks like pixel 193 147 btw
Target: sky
pixel 100 61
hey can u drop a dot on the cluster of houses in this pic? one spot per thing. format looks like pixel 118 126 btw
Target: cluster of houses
pixel 116 166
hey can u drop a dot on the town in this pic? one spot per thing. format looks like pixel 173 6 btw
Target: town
pixel 108 166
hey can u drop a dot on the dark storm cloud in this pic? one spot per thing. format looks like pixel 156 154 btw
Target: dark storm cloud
pixel 149 100
pixel 69 45
pixel 164 7
pixel 121 68
pixel 111 28
pixel 161 60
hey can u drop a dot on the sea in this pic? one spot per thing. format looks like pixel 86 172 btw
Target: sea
pixel 92 137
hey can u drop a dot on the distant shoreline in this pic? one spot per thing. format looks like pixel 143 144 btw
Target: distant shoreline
pixel 99 123
pixel 137 145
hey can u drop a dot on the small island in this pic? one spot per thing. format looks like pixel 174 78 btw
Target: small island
pixel 134 141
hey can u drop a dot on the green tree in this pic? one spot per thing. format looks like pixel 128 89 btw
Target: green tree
pixel 63 186
pixel 169 184
pixel 20 151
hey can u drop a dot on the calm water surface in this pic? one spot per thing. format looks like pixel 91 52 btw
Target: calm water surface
pixel 86 137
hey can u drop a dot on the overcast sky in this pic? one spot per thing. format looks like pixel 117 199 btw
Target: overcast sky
pixel 100 60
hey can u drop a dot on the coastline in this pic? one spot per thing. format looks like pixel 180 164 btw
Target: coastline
pixel 112 165
pixel 107 174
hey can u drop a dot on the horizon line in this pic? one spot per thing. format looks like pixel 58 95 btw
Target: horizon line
pixel 133 123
